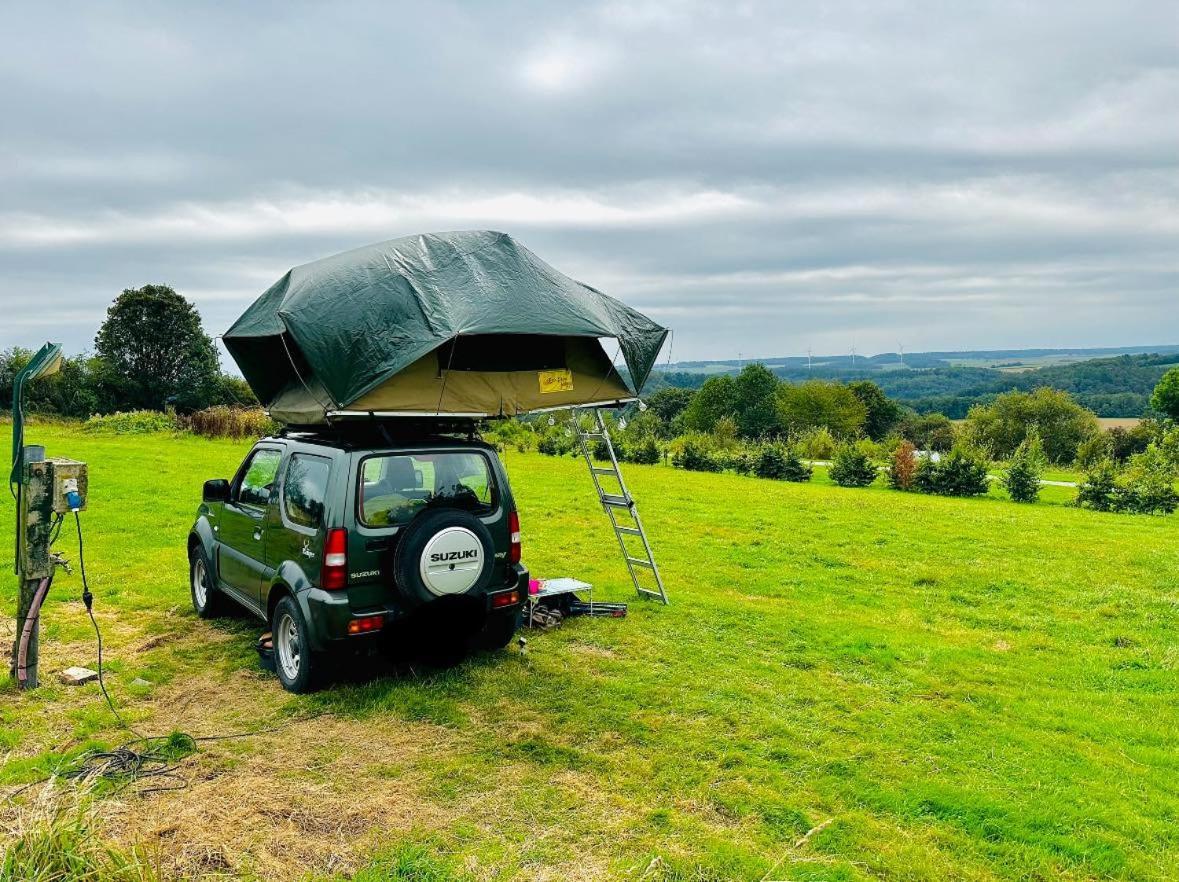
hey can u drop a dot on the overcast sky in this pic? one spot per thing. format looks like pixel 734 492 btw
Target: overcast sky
pixel 763 178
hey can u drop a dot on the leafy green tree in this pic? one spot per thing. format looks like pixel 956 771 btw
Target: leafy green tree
pixel 69 392
pixel 669 402
pixel 928 431
pixel 153 349
pixel 819 404
pixel 882 412
pixel 716 399
pixel 756 403
pixel 1165 398
pixel 1001 426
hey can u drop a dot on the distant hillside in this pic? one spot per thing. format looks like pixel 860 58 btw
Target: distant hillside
pixel 1005 359
pixel 950 382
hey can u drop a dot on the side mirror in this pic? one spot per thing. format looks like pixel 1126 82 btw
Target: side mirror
pixel 216 491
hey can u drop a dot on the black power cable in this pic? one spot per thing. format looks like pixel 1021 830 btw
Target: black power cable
pixel 88 599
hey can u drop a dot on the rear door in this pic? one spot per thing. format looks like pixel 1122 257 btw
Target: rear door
pixel 240 552
pixel 297 532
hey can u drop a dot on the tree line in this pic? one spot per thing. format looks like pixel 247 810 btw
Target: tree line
pixel 151 353
pixel 1118 386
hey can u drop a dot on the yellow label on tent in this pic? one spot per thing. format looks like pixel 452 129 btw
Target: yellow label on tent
pixel 560 380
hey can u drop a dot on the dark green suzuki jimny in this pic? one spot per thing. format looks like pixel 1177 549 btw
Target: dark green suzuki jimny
pixel 340 540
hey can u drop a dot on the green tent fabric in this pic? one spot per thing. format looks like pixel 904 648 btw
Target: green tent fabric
pixel 340 330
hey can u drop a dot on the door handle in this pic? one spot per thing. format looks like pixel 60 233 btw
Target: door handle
pixel 258 533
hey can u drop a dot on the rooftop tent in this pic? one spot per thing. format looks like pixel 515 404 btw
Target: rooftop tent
pixel 462 324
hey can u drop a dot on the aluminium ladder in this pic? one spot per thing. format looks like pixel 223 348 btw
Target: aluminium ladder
pixel 639 560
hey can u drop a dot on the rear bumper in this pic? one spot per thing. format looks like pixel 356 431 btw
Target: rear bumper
pixel 328 613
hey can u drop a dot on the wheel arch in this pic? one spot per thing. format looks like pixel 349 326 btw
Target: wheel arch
pixel 201 536
pixel 278 590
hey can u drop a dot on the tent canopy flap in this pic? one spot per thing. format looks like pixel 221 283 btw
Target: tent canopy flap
pixel 443 323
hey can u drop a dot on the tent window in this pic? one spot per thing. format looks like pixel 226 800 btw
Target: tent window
pixel 502 352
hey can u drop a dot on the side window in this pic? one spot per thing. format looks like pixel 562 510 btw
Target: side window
pixel 259 477
pixel 305 490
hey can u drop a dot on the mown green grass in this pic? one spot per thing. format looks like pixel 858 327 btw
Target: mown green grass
pixel 964 689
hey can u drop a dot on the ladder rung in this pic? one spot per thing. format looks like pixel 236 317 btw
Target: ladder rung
pixel 651 593
pixel 638 561
pixel 629 531
pixel 617 501
pixel 598 471
pixel 593 435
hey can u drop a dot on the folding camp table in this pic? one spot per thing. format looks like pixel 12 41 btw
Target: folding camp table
pixel 551 588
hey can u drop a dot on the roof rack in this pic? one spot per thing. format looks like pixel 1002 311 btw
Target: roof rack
pixel 388 429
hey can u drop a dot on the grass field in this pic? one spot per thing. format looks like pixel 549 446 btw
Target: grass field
pixel 938 689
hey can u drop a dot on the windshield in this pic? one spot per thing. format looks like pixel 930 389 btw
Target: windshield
pixel 396 487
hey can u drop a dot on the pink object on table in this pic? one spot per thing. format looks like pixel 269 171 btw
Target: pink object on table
pixel 533 586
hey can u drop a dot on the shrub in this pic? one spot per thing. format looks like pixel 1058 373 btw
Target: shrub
pixel 555 441
pixel 1092 452
pixel 135 422
pixel 512 433
pixel 853 467
pixel 818 444
pixel 230 422
pixel 1146 488
pixel 1022 478
pixel 695 456
pixel 736 460
pixel 1099 488
pixel 780 463
pixel 1022 481
pixel 958 473
pixel 724 434
pixel 600 451
pixel 1124 443
pixel 1146 497
pixel 902 467
pixel 1149 486
pixel 646 452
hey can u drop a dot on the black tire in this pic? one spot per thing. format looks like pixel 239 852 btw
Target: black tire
pixel 497 632
pixel 297 666
pixel 209 602
pixel 408 555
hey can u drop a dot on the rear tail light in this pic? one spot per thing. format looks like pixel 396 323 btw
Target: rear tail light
pixel 506 598
pixel 366 624
pixel 514 529
pixel 334 574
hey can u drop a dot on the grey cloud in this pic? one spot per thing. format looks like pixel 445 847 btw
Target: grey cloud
pixel 766 178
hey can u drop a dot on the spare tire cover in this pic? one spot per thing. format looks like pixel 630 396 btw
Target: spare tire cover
pixel 443 553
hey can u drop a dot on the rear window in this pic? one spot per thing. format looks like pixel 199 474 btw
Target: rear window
pixel 396 487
